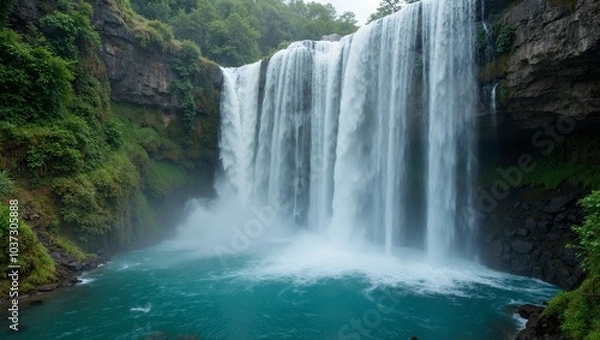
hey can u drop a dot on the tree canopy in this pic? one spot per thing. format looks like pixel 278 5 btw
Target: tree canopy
pixel 236 32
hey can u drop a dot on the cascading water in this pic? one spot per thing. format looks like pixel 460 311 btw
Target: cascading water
pixel 451 108
pixel 237 139
pixel 337 145
pixel 494 102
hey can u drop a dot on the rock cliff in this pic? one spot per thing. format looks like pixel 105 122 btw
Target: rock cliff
pixel 552 72
pixel 549 92
pixel 138 75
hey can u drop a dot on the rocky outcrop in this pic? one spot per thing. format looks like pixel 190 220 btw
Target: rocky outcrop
pixel 138 75
pixel 552 72
pixel 539 327
pixel 529 232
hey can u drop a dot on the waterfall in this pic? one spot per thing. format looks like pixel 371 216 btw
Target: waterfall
pixel 494 102
pixel 451 113
pixel 239 109
pixel 353 135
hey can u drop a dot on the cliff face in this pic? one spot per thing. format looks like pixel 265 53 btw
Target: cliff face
pixel 553 71
pixel 138 75
pixel 548 100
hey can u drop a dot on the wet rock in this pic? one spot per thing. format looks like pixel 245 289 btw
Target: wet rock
pixel 48 288
pixel 527 310
pixel 496 248
pixel 543 227
pixel 538 327
pixel 572 218
pixel 557 204
pixel 56 256
pixel 522 247
pixel 76 266
pixel 529 223
pixel 522 232
pixel 569 256
pixel 560 217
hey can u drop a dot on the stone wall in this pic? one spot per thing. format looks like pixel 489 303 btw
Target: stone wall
pixel 529 232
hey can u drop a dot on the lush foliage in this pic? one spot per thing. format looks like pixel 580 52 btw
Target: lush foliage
pixel 236 32
pixel 589 234
pixel 186 65
pixel 34 83
pixel 7 185
pixel 69 29
pixel 579 310
pixel 37 267
pixel 157 33
pixel 63 151
pixel 504 39
pixel 6 7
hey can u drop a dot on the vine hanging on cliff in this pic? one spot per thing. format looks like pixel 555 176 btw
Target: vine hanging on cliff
pixel 186 66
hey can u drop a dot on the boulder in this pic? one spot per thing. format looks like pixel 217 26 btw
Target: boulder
pixel 558 204
pixel 522 247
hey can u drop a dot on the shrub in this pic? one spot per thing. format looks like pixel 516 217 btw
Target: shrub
pixel 6 8
pixel 157 33
pixel 94 204
pixel 504 39
pixel 113 134
pixel 69 29
pixel 7 185
pixel 34 84
pixel 186 66
pixel 589 234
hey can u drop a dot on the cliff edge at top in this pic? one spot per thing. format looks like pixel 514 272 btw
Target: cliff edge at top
pixel 552 69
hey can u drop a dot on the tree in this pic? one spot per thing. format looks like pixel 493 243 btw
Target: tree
pixel 233 41
pixel 388 7
pixel 194 26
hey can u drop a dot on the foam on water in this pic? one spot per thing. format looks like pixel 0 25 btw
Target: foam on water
pixel 85 280
pixel 144 309
pixel 308 258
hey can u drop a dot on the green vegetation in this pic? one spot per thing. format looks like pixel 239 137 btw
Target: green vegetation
pixel 235 32
pixel 71 248
pixel 94 172
pixel 572 161
pixel 579 310
pixel 504 39
pixel 7 185
pixel 37 268
pixel 186 65
pixel 69 29
pixel 5 10
pixel 34 83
